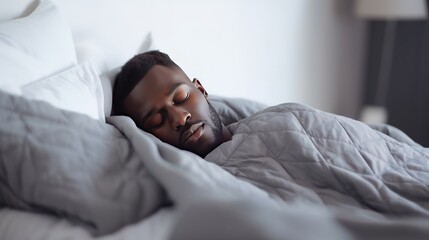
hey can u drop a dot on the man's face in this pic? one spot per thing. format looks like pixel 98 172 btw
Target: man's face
pixel 168 105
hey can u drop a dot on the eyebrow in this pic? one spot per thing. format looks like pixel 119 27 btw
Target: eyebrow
pixel 176 85
pixel 171 91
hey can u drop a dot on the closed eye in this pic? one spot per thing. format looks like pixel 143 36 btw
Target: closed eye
pixel 156 121
pixel 181 97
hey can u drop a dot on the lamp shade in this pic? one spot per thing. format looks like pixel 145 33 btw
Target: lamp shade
pixel 391 9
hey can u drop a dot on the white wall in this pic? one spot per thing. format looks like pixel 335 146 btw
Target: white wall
pixel 236 48
pixel 331 59
pixel 272 51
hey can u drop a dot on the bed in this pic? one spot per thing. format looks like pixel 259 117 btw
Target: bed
pixel 69 169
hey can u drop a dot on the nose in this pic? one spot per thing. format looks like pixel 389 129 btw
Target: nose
pixel 179 117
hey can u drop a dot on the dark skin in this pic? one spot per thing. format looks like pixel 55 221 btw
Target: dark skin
pixel 168 105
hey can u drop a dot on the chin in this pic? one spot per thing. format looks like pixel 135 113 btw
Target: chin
pixel 202 154
pixel 198 151
pixel 207 150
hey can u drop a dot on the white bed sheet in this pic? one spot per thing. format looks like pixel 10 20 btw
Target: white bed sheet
pixel 20 225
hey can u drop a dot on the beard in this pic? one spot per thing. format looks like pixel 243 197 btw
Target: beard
pixel 217 126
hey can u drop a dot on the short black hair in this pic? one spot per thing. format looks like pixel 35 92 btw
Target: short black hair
pixel 132 72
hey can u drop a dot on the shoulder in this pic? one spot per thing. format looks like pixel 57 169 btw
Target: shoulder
pixel 278 114
pixel 282 108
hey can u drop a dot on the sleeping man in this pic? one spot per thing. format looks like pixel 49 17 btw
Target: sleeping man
pixel 161 99
pixel 292 151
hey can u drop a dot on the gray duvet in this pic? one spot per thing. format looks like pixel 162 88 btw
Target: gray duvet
pixel 313 170
pixel 297 153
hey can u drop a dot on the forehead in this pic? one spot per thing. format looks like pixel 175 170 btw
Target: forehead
pixel 154 85
pixel 161 76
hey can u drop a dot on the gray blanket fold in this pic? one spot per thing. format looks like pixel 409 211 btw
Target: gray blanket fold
pixel 71 165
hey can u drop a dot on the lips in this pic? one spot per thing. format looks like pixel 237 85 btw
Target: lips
pixel 193 133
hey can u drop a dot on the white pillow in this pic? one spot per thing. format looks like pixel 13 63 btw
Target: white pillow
pixel 107 81
pixel 77 89
pixel 35 46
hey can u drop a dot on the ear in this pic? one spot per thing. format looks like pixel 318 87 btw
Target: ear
pixel 200 87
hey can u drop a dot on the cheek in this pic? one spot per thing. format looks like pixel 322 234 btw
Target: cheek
pixel 200 106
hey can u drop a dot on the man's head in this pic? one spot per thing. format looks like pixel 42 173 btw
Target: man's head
pixel 161 99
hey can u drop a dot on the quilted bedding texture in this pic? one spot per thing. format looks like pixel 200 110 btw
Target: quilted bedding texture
pixel 297 153
pixel 107 176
